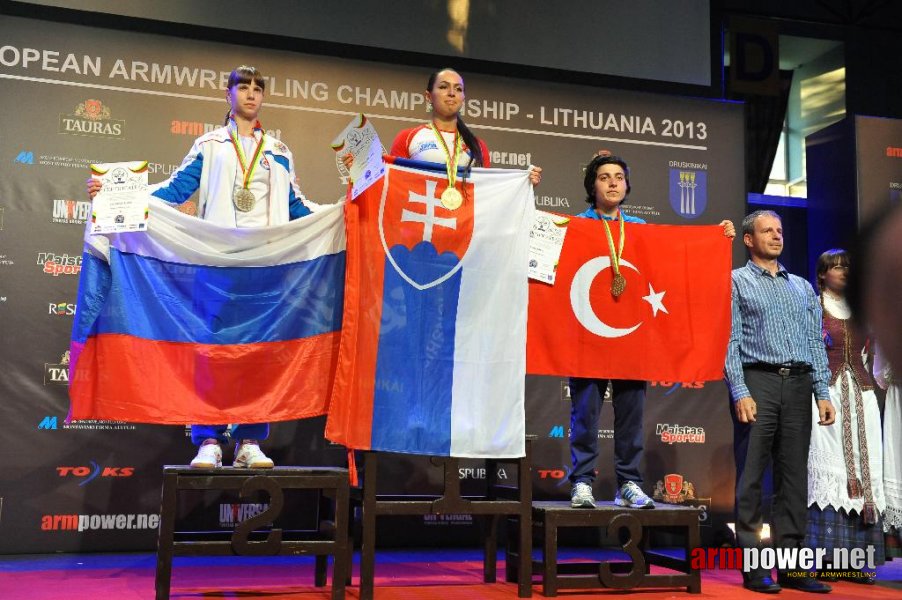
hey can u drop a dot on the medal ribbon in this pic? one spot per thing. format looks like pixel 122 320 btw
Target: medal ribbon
pixel 615 256
pixel 246 168
pixel 452 159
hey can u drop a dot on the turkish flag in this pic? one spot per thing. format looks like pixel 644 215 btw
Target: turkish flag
pixel 672 322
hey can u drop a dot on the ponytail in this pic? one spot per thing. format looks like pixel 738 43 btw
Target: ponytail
pixel 472 143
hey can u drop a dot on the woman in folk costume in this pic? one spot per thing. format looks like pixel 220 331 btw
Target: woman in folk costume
pixel 845 461
pixel 892 452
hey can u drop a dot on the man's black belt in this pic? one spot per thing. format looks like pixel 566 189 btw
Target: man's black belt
pixel 788 370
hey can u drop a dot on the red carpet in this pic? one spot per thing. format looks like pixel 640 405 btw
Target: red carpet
pixel 400 575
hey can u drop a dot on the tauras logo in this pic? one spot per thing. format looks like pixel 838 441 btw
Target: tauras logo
pixel 58 373
pixel 92 118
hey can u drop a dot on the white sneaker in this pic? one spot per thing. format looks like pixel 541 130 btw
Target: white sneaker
pixel 248 455
pixel 581 496
pixel 209 456
pixel 631 495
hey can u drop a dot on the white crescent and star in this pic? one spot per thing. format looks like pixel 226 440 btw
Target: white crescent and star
pixel 582 308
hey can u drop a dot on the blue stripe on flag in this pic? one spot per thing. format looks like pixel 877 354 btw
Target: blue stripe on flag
pixel 159 300
pixel 415 365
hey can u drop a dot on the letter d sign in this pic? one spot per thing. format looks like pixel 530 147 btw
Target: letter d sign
pixel 754 57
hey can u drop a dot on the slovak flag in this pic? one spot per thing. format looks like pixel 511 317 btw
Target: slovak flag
pixel 433 350
pixel 672 322
pixel 190 322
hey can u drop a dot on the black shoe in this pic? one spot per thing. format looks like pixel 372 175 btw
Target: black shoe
pixel 763 585
pixel 803 582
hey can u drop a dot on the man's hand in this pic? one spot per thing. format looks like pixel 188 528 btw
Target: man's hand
pixel 746 409
pixel 826 412
pixel 729 230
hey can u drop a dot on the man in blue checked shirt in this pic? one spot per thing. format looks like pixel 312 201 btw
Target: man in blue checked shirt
pixel 775 362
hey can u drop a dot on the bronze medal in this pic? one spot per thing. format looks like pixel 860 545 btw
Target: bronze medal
pixel 244 200
pixel 452 198
pixel 618 285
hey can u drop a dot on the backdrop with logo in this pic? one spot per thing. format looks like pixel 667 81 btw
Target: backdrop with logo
pixel 75 95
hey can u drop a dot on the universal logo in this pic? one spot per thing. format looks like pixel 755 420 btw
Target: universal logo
pixel 231 514
pixel 93 119
pixel 57 373
pixel 71 212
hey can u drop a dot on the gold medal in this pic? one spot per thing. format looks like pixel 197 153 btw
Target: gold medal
pixel 618 285
pixel 452 198
pixel 244 200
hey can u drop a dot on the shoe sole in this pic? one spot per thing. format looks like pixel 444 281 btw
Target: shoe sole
pixel 253 466
pixel 628 504
pixel 205 466
pixel 582 505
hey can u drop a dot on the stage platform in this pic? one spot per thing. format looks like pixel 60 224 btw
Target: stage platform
pixel 402 575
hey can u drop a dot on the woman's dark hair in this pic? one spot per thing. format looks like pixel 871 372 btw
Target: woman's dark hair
pixel 244 74
pixel 603 158
pixel 828 260
pixel 465 133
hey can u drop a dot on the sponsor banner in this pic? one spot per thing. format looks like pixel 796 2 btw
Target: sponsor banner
pixel 99 522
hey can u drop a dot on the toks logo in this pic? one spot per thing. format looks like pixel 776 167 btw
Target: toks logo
pixel 673 386
pixel 59 264
pixel 91 473
pixel 92 118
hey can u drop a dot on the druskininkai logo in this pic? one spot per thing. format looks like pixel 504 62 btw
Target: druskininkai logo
pixel 688 192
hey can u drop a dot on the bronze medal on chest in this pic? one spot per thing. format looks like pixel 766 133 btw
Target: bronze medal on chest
pixel 618 285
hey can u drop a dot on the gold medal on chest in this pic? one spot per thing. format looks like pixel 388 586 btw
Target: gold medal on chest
pixel 452 198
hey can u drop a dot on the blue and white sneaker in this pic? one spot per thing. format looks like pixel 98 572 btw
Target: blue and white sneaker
pixel 581 496
pixel 631 495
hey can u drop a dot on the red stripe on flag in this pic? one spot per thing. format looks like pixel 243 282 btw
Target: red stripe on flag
pixel 350 420
pixel 124 378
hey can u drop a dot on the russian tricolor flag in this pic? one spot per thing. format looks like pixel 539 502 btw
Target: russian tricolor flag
pixel 432 357
pixel 190 322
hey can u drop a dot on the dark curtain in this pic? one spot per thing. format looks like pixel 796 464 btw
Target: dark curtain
pixel 764 118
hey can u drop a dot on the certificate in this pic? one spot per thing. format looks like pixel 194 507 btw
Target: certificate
pixel 545 242
pixel 122 204
pixel 361 140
